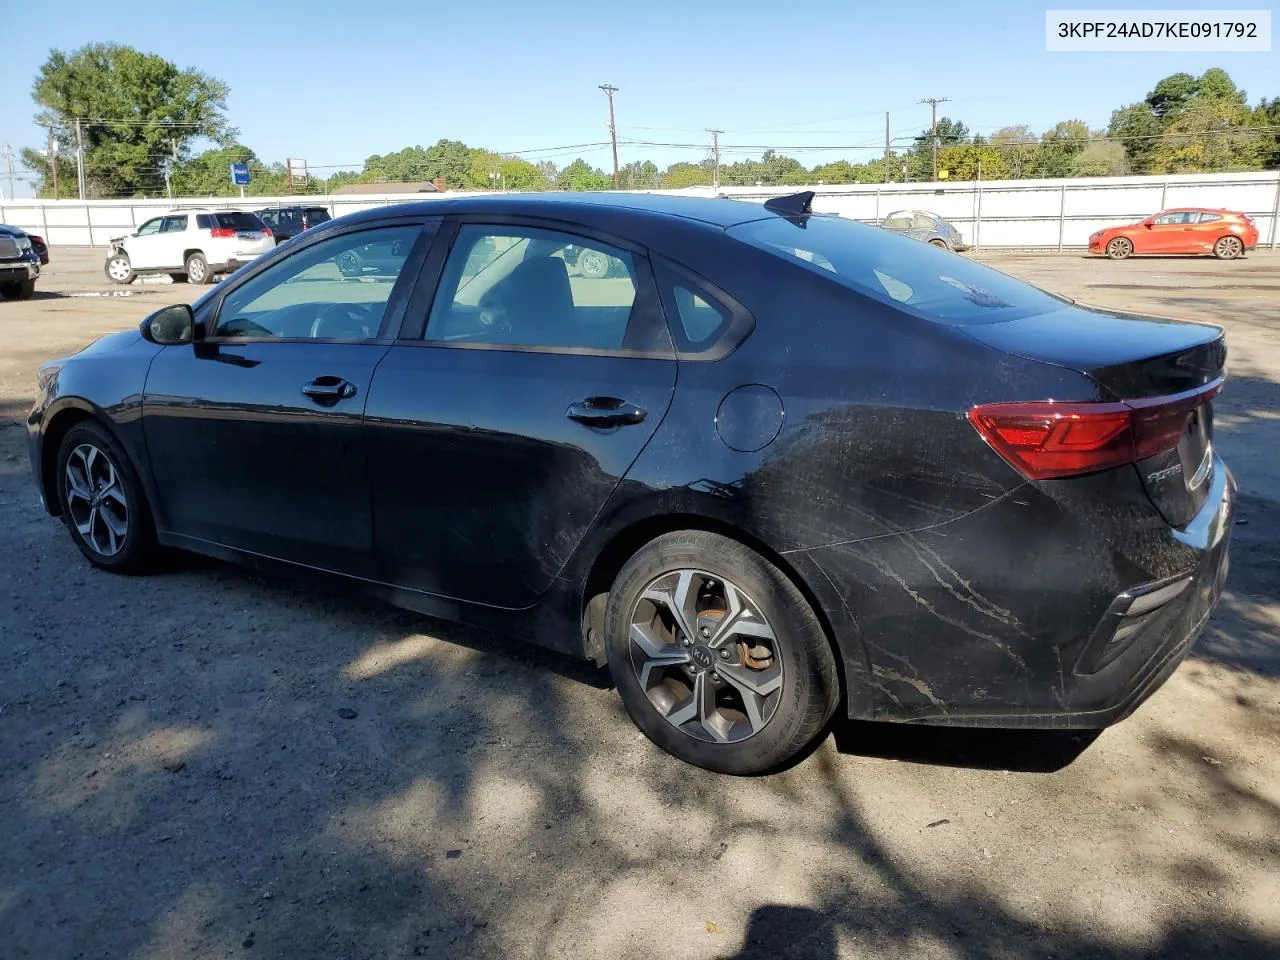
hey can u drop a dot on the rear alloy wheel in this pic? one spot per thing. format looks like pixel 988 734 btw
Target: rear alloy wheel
pixel 118 268
pixel 1228 248
pixel 198 269
pixel 102 500
pixel 717 656
pixel 1120 248
pixel 19 290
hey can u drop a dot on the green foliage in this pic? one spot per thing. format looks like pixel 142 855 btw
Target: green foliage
pixel 1181 105
pixel 1101 158
pixel 1198 141
pixel 920 157
pixel 680 175
pixel 961 162
pixel 137 110
pixel 579 175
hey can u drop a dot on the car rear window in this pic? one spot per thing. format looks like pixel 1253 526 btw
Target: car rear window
pixel 237 220
pixel 922 280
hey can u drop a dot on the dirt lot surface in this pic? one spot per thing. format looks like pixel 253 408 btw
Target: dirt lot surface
pixel 177 779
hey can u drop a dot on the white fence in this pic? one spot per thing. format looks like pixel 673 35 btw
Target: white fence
pixel 1040 214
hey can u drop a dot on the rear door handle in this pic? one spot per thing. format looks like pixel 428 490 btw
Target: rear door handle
pixel 605 412
pixel 327 391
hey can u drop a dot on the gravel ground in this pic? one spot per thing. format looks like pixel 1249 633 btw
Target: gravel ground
pixel 207 763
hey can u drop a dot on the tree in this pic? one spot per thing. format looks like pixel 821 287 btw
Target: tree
pixel 681 175
pixel 1210 105
pixel 579 175
pixel 137 112
pixel 1015 144
pixel 1200 139
pixel 1055 155
pixel 920 156
pixel 1138 127
pixel 961 162
pixel 1267 115
pixel 1100 158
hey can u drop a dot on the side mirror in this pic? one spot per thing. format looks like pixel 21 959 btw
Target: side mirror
pixel 170 325
pixel 1148 223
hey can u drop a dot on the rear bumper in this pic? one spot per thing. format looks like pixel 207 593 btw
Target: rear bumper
pixel 1130 655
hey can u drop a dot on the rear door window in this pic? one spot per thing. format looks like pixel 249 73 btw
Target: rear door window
pixel 531 287
pixel 175 224
pixel 925 281
pixel 1210 217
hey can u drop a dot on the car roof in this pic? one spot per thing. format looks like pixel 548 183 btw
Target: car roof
pixel 587 207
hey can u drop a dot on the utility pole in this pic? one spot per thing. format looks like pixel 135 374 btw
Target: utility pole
pixel 79 160
pixel 53 161
pixel 715 156
pixel 886 146
pixel 933 130
pixel 8 155
pixel 609 90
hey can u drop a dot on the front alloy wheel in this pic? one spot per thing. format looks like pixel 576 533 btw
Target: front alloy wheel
pixel 96 503
pixel 1119 248
pixel 102 500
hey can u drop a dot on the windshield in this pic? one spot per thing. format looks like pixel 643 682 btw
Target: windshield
pixel 921 279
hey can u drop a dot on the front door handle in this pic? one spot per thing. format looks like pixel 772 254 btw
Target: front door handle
pixel 327 391
pixel 605 412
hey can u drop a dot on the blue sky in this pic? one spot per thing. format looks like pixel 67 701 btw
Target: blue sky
pixel 333 81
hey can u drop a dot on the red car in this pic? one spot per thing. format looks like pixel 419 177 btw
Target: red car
pixel 1226 234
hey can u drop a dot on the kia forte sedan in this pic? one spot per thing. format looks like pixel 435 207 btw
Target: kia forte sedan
pixel 777 465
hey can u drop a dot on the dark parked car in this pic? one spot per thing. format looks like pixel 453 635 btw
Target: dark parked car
pixel 286 222
pixel 787 462
pixel 19 264
pixel 925 227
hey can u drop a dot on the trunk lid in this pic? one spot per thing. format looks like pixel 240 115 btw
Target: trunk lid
pixel 1162 367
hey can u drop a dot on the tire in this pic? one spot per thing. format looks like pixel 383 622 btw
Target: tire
pixel 1121 248
pixel 19 290
pixel 94 516
pixel 593 264
pixel 349 264
pixel 797 684
pixel 1228 248
pixel 936 242
pixel 198 269
pixel 178 277
pixel 118 268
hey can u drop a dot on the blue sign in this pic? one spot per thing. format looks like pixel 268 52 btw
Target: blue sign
pixel 240 174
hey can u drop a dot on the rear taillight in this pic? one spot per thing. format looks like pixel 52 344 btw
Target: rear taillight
pixel 35 239
pixel 1047 439
pixel 222 232
pixel 266 232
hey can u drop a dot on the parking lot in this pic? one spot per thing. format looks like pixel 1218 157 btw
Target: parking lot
pixel 212 763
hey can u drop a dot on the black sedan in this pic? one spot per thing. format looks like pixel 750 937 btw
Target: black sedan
pixel 782 464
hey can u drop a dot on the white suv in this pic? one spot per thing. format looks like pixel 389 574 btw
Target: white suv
pixel 189 245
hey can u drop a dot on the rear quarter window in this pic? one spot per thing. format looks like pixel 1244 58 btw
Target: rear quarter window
pixel 919 279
